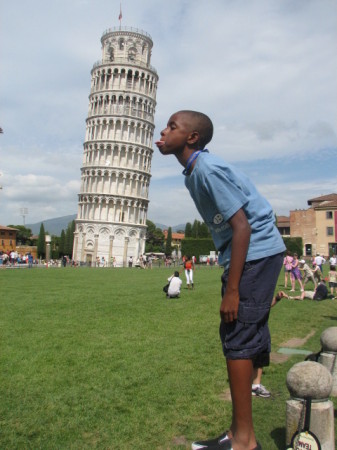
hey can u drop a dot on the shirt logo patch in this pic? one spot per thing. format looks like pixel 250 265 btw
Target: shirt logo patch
pixel 217 219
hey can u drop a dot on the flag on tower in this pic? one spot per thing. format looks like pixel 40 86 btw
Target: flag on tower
pixel 120 13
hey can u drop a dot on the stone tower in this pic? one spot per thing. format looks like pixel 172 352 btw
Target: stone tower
pixel 115 177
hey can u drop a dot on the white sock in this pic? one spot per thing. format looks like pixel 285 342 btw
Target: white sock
pixel 254 386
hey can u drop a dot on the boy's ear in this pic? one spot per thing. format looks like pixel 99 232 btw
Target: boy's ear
pixel 193 138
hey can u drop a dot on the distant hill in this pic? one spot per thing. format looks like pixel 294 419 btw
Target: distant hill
pixel 52 226
pixel 55 226
pixel 175 228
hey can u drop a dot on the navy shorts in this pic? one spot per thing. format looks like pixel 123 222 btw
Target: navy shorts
pixel 248 337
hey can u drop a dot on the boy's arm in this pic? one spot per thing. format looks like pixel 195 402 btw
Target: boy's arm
pixel 240 242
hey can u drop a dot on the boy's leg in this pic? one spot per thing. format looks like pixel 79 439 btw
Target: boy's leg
pixel 240 373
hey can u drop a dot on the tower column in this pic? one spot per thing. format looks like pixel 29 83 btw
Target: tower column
pixel 83 246
pixel 125 253
pixel 111 242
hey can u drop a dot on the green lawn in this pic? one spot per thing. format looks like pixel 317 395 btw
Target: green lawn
pixel 98 358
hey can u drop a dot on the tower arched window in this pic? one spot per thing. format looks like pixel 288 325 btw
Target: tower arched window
pixel 132 53
pixel 129 79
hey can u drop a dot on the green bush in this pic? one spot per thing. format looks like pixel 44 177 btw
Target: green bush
pixel 294 245
pixel 197 247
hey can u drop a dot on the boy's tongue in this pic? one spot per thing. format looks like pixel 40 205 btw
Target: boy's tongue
pixel 159 143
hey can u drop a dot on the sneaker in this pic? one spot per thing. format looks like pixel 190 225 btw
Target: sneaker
pixel 221 443
pixel 261 391
pixel 212 443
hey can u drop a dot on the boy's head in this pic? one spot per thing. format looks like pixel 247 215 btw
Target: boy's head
pixel 185 128
pixel 201 124
pixel 176 274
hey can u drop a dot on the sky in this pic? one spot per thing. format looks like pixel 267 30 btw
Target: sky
pixel 265 71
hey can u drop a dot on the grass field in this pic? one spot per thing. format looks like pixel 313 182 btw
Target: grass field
pixel 100 359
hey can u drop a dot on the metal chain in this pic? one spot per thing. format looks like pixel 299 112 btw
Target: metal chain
pixel 300 423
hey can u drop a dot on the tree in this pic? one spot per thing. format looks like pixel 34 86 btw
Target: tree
pixel 41 242
pixel 168 246
pixel 204 231
pixel 72 227
pixel 195 229
pixel 55 245
pixel 62 243
pixel 188 230
pixel 154 238
pixel 67 240
pixel 23 234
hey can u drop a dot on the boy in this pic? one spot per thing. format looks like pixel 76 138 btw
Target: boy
pixel 251 251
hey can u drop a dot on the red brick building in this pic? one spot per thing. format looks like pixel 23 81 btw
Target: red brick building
pixel 317 225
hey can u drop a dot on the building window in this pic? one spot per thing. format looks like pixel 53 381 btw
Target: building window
pixel 329 214
pixel 308 249
pixel 329 231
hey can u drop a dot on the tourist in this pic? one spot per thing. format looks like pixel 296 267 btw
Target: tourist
pixel 333 280
pixel 174 285
pixel 320 260
pixel 320 293
pixel 287 267
pixel 295 273
pixel 316 272
pixel 333 260
pixel 308 273
pixel 242 225
pixel 189 268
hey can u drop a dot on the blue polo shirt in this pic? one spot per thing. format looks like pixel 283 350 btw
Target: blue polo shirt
pixel 219 190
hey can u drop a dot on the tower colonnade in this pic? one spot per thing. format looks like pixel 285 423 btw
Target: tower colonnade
pixel 116 171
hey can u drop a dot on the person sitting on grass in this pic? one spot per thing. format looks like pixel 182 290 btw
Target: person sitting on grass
pixel 320 293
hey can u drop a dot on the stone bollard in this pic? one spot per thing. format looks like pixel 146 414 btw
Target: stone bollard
pixel 311 379
pixel 328 356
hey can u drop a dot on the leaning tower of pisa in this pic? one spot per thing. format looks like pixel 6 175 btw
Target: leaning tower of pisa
pixel 116 171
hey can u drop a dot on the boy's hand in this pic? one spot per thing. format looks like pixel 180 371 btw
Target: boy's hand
pixel 229 306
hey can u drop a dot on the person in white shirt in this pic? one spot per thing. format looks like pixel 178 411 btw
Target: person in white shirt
pixel 333 261
pixel 320 261
pixel 174 285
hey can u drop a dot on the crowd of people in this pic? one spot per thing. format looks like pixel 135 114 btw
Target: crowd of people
pixel 302 271
pixel 13 258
